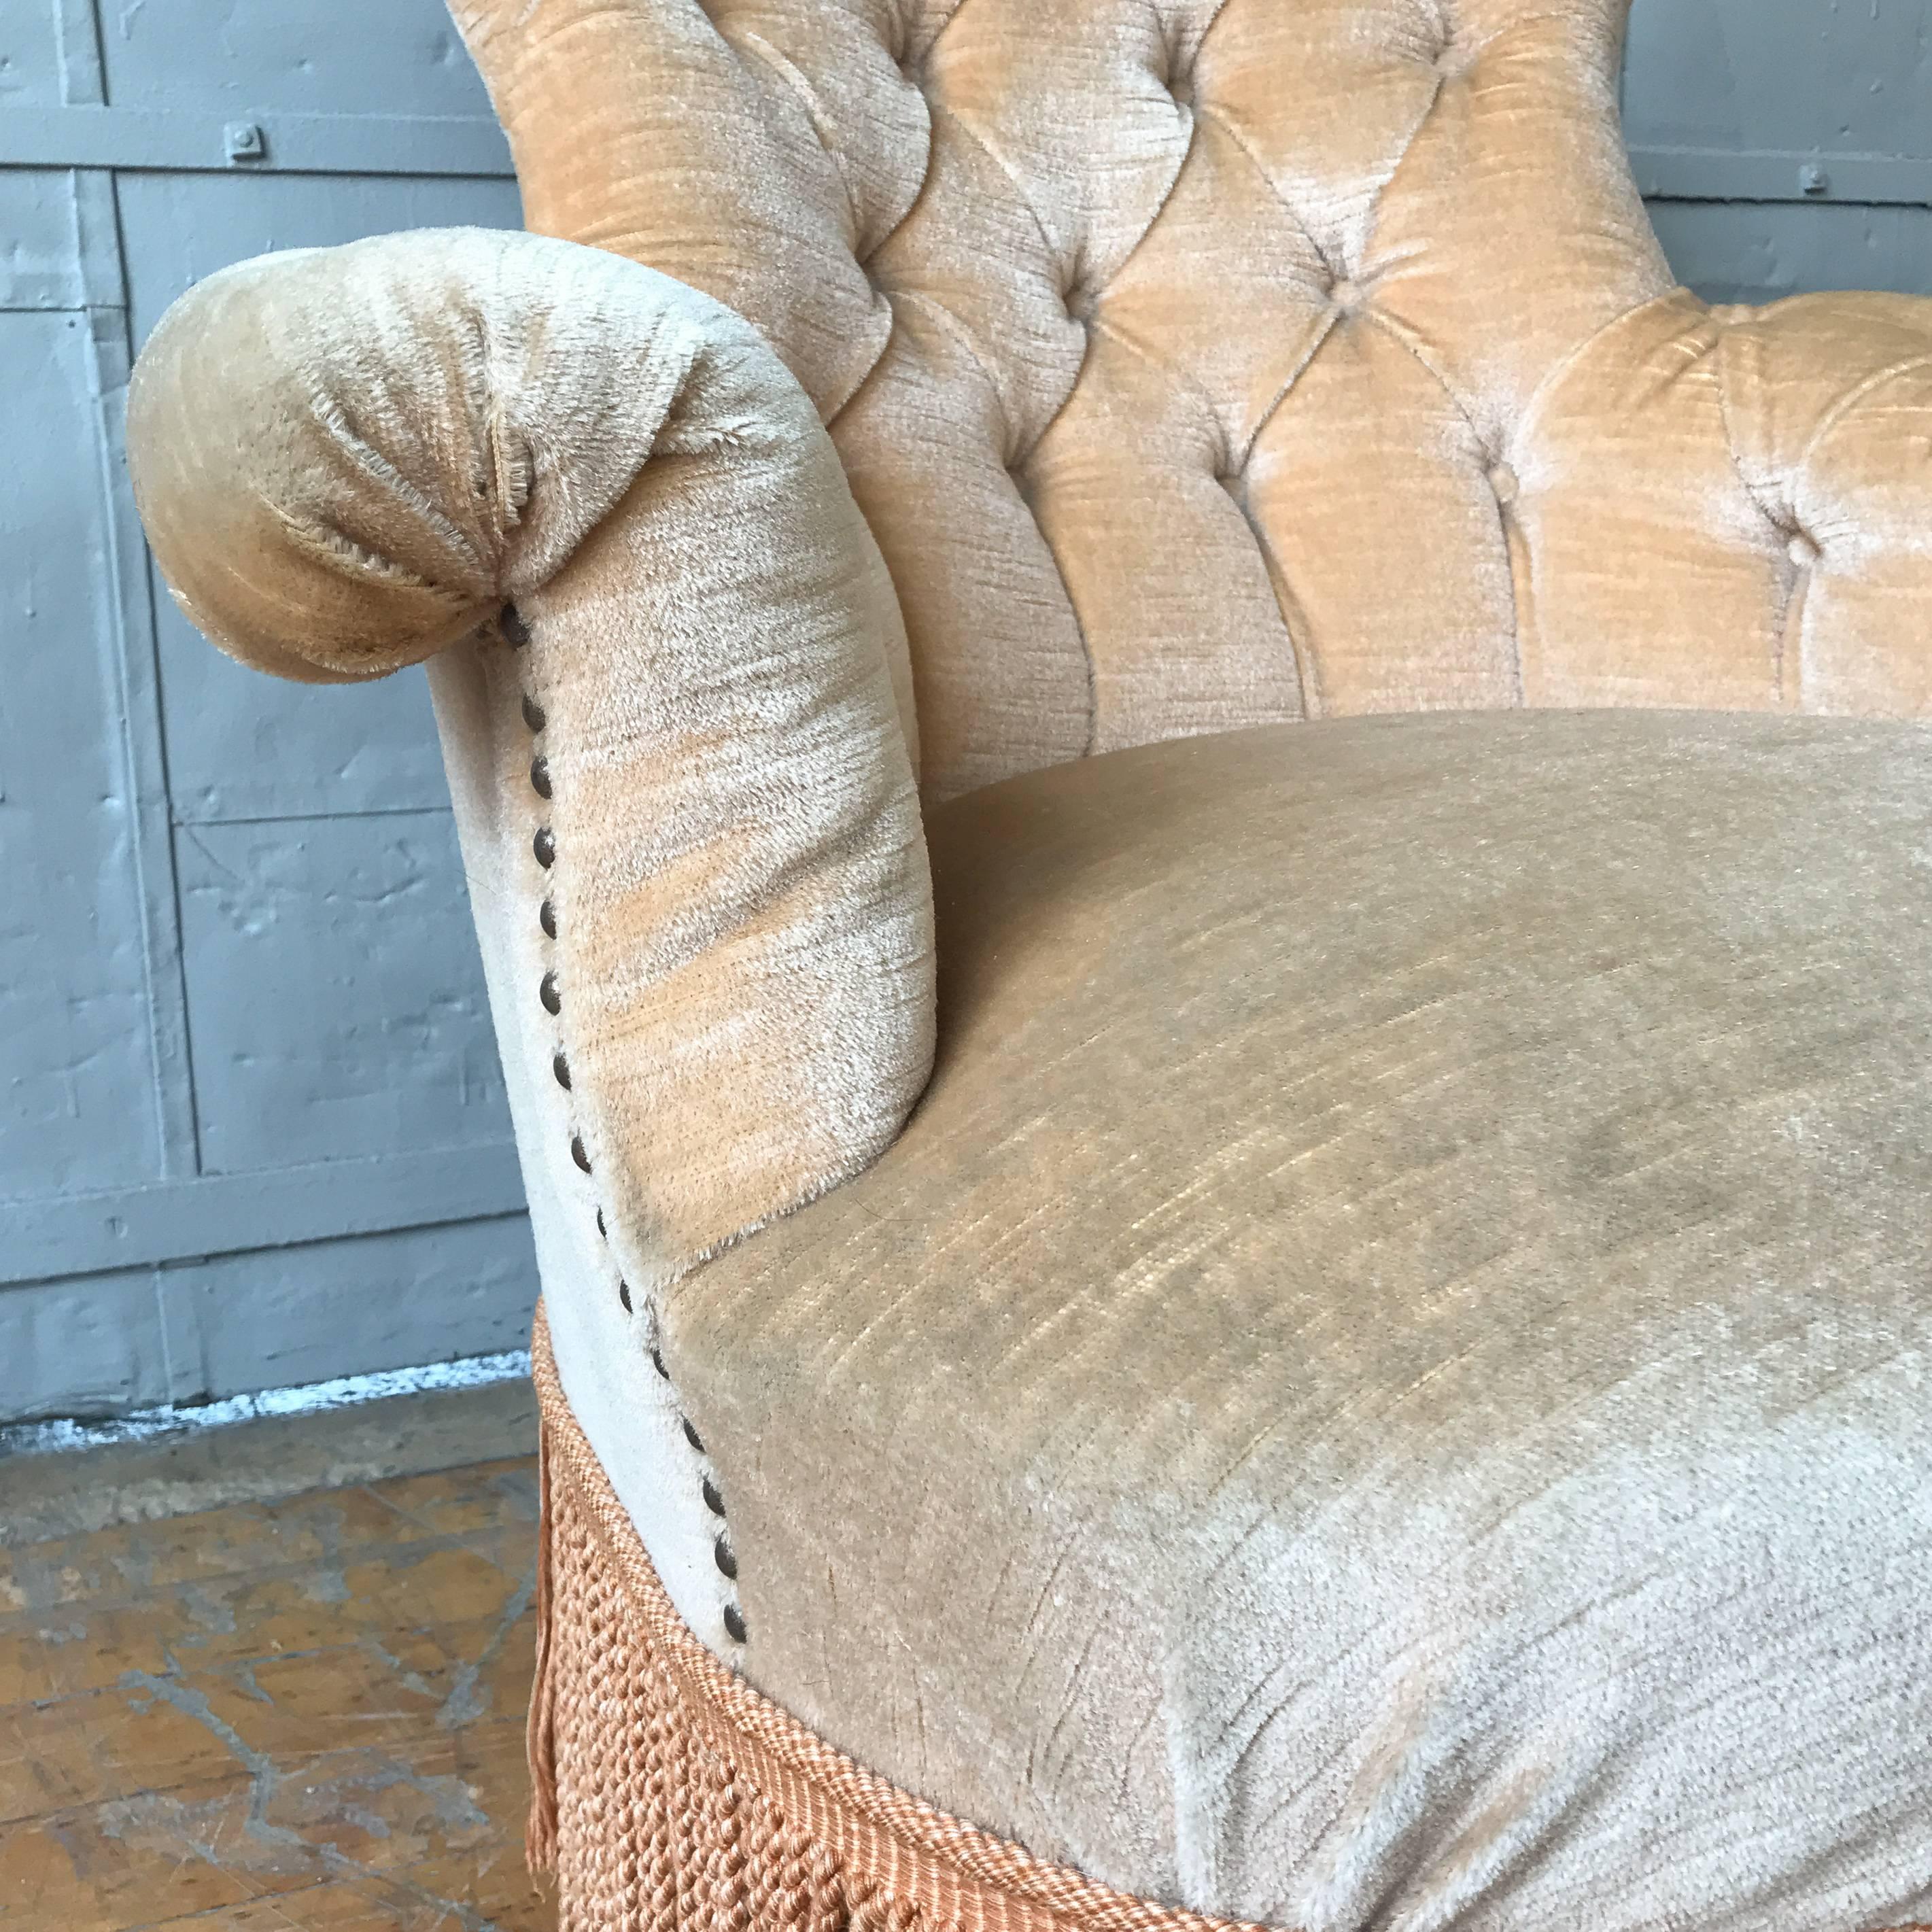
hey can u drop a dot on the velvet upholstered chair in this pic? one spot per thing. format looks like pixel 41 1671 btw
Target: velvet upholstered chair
pixel 1379 1377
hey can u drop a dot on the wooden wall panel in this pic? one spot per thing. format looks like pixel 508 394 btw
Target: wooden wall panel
pixel 76 1065
pixel 336 1004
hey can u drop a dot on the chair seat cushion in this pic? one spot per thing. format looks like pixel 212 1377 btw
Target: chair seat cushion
pixel 1385 1383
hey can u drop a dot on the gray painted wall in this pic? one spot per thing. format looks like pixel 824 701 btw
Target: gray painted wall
pixel 254 1130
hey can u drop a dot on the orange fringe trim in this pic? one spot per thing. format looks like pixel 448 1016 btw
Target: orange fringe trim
pixel 668 1793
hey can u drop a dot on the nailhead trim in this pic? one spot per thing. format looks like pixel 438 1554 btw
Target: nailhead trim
pixel 543 845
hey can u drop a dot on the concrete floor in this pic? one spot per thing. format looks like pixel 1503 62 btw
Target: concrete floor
pixel 271 1715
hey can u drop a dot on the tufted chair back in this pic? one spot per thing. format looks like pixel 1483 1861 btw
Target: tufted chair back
pixel 1201 363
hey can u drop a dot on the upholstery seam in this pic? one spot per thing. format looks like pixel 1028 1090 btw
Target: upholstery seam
pixel 924 182
pixel 1791 600
pixel 944 27
pixel 1293 618
pixel 860 388
pixel 935 108
pixel 1095 323
pixel 980 141
pixel 1079 626
pixel 1134 345
pixel 1727 419
pixel 1329 324
pixel 1415 135
pixel 797 84
pixel 1480 47
pixel 1837 413
pixel 1160 208
pixel 1304 675
pixel 1538 398
pixel 1302 655
pixel 1797 574
pixel 1213 21
pixel 1235 133
pixel 1394 330
pixel 962 337
pixel 1398 333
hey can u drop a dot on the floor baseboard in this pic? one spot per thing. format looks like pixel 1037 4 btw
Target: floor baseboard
pixel 66 1479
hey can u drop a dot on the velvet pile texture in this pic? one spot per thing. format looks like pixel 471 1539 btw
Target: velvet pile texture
pixel 668 1792
pixel 1384 1384
pixel 1383 1390
pixel 1223 362
pixel 665 640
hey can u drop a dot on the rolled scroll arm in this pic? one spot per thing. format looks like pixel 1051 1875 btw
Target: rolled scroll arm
pixel 688 805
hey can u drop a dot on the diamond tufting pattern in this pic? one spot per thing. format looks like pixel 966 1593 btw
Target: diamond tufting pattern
pixel 1176 350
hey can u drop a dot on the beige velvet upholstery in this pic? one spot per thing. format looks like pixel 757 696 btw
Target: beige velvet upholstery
pixel 407 434
pixel 687 811
pixel 1383 1389
pixel 1223 362
pixel 1384 1384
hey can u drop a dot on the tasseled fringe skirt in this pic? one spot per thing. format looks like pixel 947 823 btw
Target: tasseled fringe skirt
pixel 668 1793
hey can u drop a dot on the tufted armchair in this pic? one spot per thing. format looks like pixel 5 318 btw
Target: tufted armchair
pixel 1377 1379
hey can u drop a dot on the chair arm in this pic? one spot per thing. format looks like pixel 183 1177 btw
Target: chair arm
pixel 603 499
